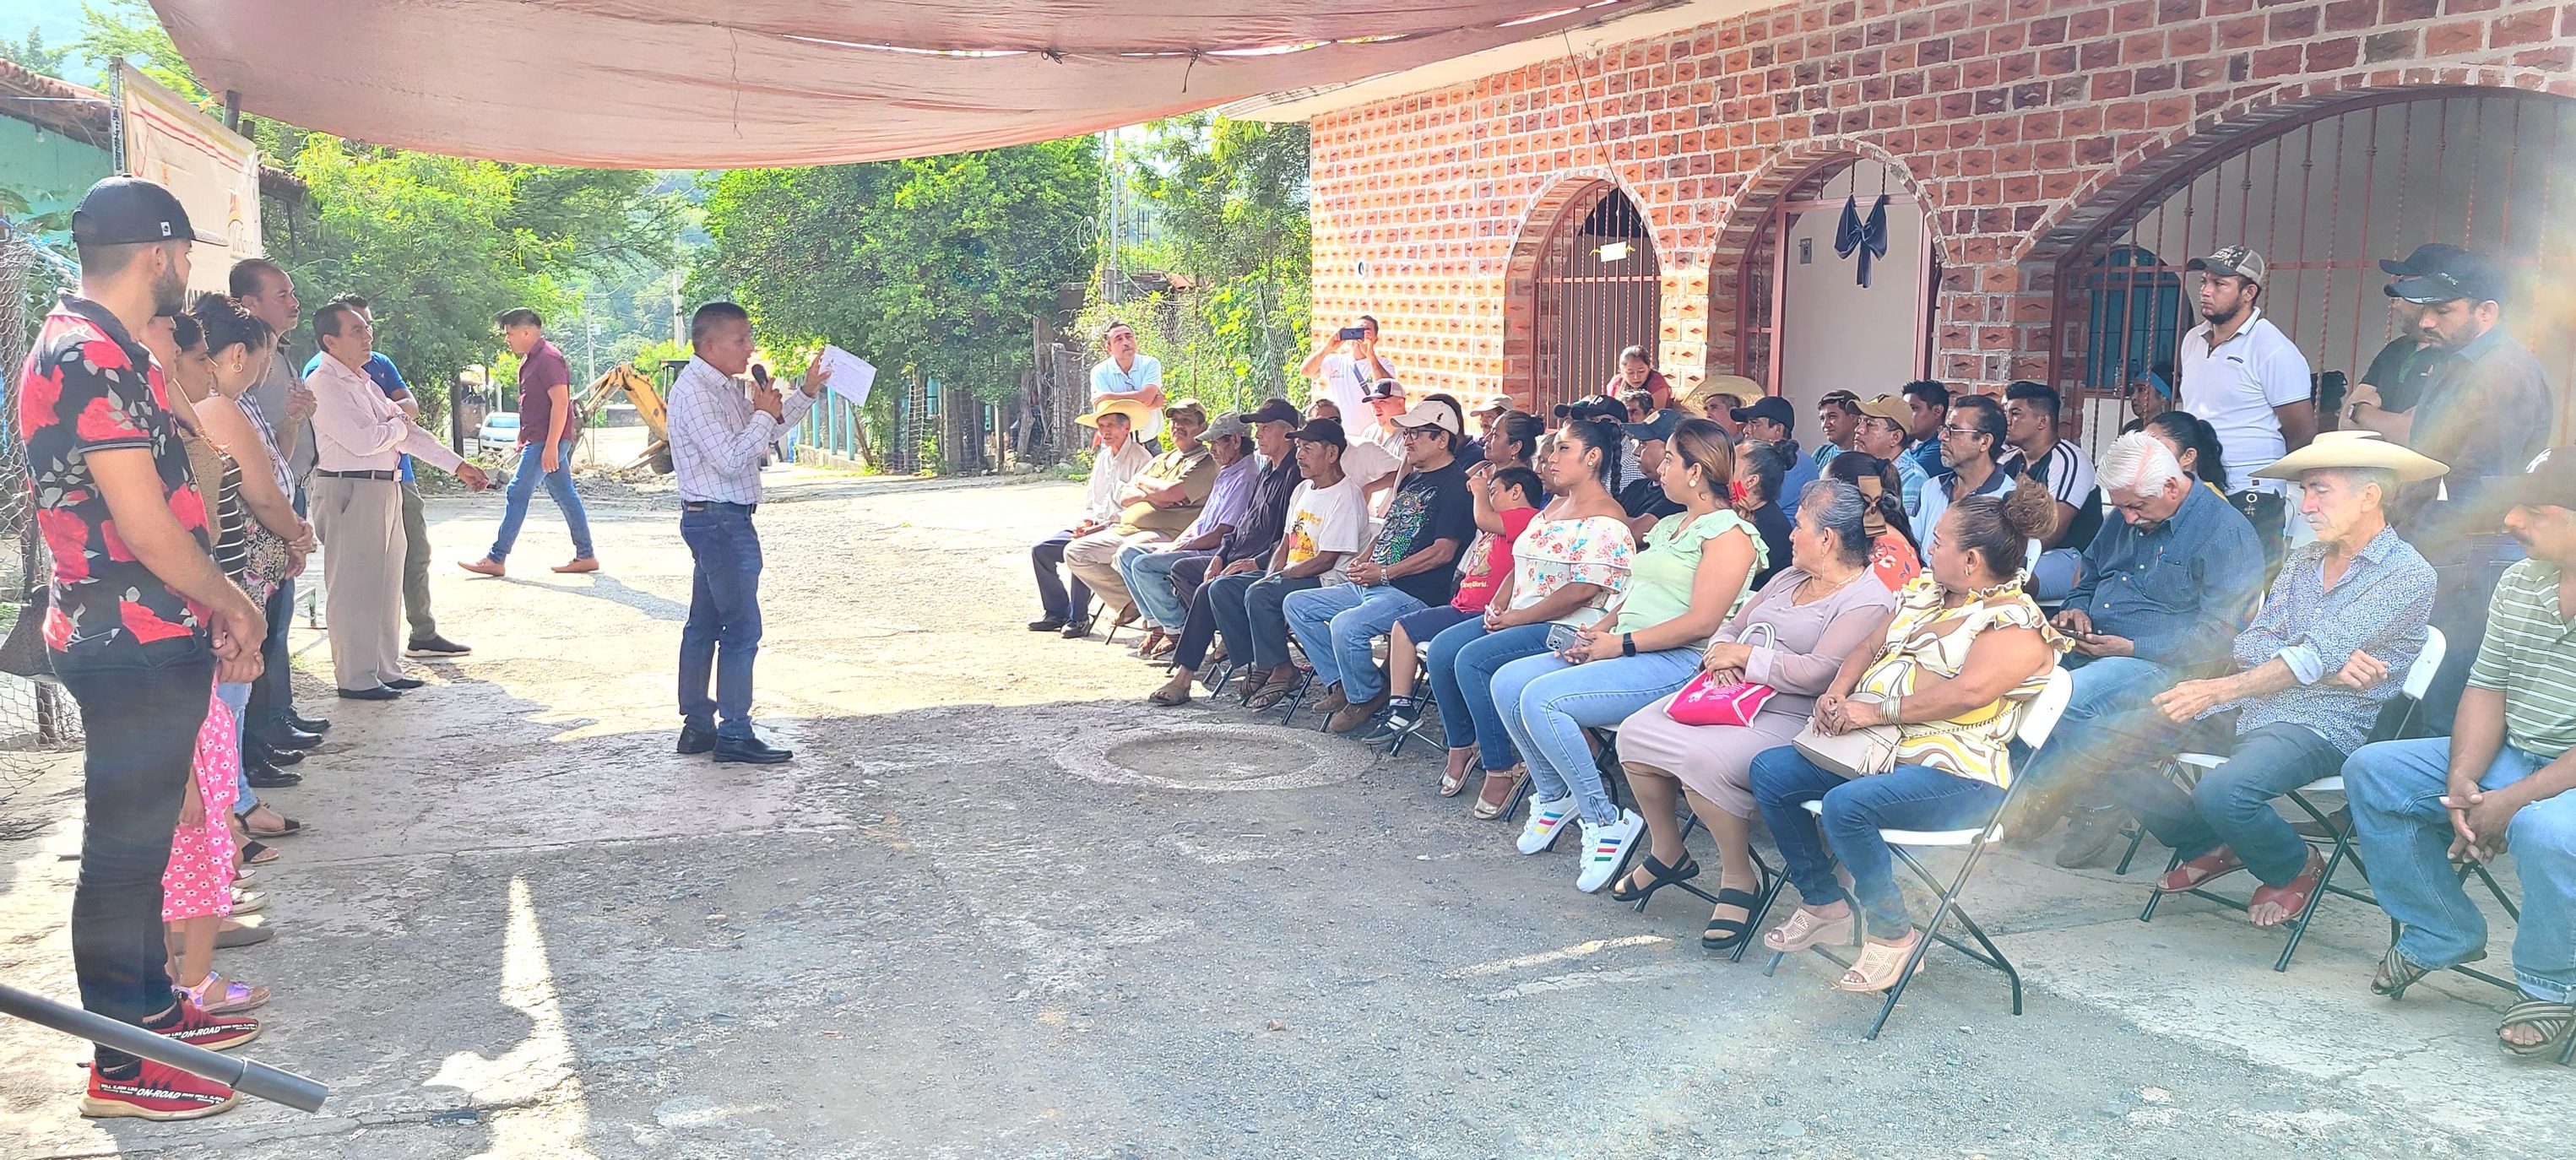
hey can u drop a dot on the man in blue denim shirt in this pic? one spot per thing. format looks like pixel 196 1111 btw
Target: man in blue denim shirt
pixel 2344 623
pixel 2163 591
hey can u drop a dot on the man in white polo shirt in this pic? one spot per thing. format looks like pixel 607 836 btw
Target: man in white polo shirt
pixel 2249 382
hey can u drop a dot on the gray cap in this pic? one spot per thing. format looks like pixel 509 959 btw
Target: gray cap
pixel 2240 261
pixel 1229 423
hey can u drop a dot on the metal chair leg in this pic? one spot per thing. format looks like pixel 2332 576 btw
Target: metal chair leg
pixel 2137 838
pixel 2155 897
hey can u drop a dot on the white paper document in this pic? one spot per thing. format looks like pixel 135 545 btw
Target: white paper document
pixel 851 375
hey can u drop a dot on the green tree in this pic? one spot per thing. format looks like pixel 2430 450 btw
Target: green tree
pixel 32 54
pixel 932 266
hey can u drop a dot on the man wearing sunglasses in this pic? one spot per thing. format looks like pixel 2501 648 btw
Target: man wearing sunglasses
pixel 2487 413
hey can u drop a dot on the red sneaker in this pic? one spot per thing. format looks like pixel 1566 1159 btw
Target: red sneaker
pixel 161 1092
pixel 212 1032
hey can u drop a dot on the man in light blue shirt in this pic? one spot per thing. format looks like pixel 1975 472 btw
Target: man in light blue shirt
pixel 1137 378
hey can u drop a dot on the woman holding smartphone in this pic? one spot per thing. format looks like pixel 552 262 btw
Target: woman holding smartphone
pixel 1571 560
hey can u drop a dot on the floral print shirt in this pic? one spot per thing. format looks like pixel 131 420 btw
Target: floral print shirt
pixel 1550 554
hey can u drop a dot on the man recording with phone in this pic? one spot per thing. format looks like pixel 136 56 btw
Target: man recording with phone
pixel 1344 368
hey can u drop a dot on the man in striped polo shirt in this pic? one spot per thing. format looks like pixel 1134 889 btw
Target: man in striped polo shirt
pixel 2498 781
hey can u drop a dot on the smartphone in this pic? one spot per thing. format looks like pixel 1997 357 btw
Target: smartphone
pixel 1352 333
pixel 1561 637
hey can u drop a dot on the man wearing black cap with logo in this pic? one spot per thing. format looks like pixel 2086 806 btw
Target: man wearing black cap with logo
pixel 1643 498
pixel 2487 412
pixel 1327 525
pixel 2385 398
pixel 1770 419
pixel 140 623
pixel 2249 382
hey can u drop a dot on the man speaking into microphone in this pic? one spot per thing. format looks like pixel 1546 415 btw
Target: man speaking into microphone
pixel 720 429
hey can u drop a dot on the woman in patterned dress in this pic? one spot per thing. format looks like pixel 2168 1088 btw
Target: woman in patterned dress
pixel 1962 660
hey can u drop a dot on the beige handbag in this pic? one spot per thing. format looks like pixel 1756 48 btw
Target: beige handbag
pixel 1870 749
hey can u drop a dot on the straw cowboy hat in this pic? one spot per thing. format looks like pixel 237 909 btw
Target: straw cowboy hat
pixel 1134 411
pixel 2355 449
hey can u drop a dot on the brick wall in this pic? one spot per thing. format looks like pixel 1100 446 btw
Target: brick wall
pixel 2019 122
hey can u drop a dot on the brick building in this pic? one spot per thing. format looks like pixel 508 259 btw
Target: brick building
pixel 1678 178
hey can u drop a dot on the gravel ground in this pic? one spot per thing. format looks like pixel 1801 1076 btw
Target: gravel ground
pixel 999 907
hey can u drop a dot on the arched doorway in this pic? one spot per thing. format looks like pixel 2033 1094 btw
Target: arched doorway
pixel 2324 194
pixel 1838 284
pixel 1598 290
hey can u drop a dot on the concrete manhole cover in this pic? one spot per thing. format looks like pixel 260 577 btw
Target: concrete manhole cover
pixel 1213 757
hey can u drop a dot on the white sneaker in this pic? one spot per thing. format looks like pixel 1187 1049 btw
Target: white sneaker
pixel 1547 820
pixel 1606 849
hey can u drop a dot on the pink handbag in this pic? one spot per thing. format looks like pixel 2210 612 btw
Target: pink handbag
pixel 1705 701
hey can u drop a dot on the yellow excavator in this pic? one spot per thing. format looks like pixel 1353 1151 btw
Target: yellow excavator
pixel 641 391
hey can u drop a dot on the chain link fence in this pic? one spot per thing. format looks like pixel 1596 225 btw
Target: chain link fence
pixel 39 725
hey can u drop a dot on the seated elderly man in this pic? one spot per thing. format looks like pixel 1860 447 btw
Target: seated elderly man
pixel 1161 501
pixel 1410 566
pixel 1221 579
pixel 1327 525
pixel 1145 565
pixel 2161 594
pixel 1115 460
pixel 2500 779
pixel 2344 622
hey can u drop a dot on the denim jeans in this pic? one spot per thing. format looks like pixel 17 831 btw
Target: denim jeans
pixel 142 716
pixel 1199 629
pixel 1059 597
pixel 1264 639
pixel 723 630
pixel 1336 625
pixel 2231 805
pixel 523 486
pixel 236 697
pixel 2078 755
pixel 1548 703
pixel 272 696
pixel 1149 579
pixel 1463 662
pixel 1909 797
pixel 2396 788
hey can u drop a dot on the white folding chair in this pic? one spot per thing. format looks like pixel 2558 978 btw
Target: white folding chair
pixel 2036 724
pixel 2418 679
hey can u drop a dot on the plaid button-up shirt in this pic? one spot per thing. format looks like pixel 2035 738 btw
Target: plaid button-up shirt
pixel 2380 607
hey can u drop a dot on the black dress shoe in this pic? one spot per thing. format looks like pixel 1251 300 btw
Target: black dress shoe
pixel 280 758
pixel 379 693
pixel 434 646
pixel 281 736
pixel 694 741
pixel 404 682
pixel 1077 629
pixel 307 724
pixel 1046 624
pixel 750 751
pixel 262 775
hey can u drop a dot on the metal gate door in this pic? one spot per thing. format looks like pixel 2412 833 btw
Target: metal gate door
pixel 1600 290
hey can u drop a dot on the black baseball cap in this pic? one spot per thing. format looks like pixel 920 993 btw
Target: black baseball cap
pixel 2428 256
pixel 1321 431
pixel 121 211
pixel 1276 411
pixel 1771 407
pixel 1656 428
pixel 2449 277
pixel 2551 482
pixel 1595 407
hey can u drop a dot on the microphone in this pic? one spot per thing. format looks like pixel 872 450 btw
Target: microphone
pixel 760 374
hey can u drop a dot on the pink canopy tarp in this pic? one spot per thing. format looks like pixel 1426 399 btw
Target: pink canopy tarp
pixel 665 84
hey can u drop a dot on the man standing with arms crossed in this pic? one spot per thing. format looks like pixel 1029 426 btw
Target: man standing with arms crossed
pixel 718 433
pixel 547 426
pixel 140 623
pixel 280 403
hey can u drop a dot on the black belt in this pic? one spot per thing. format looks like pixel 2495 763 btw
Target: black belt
pixel 387 476
pixel 699 505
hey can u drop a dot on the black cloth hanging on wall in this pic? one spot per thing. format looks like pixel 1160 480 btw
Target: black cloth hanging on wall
pixel 1866 237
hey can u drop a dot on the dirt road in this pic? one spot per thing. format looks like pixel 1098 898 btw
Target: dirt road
pixel 998 907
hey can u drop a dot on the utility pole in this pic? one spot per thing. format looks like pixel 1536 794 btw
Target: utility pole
pixel 679 329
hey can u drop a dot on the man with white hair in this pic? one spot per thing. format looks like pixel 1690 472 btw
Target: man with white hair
pixel 2161 594
pixel 2306 681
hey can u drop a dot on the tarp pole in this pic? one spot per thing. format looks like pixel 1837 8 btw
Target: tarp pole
pixel 258 1079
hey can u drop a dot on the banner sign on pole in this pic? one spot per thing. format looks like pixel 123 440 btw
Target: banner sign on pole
pixel 213 171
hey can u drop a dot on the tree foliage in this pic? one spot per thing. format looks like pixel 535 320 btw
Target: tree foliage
pixel 34 55
pixel 932 266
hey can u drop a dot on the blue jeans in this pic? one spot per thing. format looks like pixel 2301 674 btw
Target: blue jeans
pixel 1059 598
pixel 1463 662
pixel 2231 805
pixel 523 485
pixel 2078 755
pixel 2396 788
pixel 723 630
pixel 1149 579
pixel 144 711
pixel 1249 616
pixel 236 697
pixel 1336 626
pixel 1547 704
pixel 1909 797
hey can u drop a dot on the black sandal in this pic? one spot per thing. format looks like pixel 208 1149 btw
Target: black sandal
pixel 2553 1020
pixel 1658 875
pixel 1726 934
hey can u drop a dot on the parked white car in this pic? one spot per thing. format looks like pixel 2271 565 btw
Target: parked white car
pixel 499 429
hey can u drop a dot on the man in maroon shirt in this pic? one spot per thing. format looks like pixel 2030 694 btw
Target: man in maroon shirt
pixel 547 425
